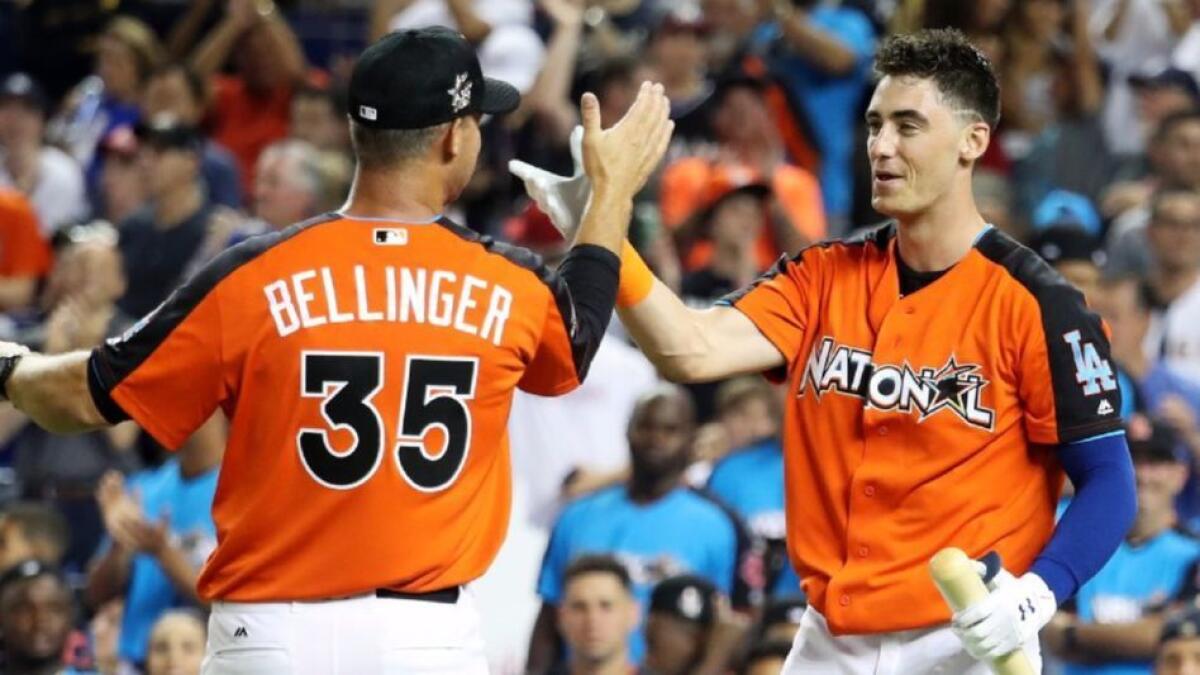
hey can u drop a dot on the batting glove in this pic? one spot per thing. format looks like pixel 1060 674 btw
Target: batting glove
pixel 562 198
pixel 1009 617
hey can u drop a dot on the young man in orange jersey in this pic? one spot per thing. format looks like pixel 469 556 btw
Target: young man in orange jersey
pixel 366 360
pixel 942 379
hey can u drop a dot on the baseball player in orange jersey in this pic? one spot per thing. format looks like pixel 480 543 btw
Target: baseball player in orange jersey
pixel 942 377
pixel 366 360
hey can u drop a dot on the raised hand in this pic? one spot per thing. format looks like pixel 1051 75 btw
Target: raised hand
pixel 620 159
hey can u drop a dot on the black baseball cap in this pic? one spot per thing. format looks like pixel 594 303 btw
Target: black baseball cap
pixel 1161 445
pixel 412 79
pixel 165 131
pixel 1169 77
pixel 1067 242
pixel 21 87
pixel 686 597
pixel 1183 626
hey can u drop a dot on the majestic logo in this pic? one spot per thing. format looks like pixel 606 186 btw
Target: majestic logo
pixel 460 93
pixel 953 386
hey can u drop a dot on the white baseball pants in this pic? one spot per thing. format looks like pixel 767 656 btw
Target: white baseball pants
pixel 927 651
pixel 363 634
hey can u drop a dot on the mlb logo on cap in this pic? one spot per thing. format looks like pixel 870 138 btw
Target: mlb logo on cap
pixel 367 112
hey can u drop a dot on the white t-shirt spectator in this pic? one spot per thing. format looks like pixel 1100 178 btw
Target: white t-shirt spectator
pixel 59 197
pixel 550 437
pixel 511 52
pixel 1174 335
pixel 1143 44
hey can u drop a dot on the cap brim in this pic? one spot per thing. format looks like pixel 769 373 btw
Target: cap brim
pixel 498 97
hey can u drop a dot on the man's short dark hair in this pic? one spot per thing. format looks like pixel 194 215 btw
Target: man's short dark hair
pixel 39 523
pixel 598 564
pixel 387 148
pixel 961 72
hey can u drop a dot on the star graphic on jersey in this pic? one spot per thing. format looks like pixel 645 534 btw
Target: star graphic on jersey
pixel 951 387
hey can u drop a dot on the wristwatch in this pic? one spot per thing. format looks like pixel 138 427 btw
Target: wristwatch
pixel 7 365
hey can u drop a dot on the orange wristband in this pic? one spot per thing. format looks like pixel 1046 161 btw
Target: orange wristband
pixel 636 278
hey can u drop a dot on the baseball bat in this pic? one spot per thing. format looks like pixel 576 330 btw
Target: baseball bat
pixel 955 575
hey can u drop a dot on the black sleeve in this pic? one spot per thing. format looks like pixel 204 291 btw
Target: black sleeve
pixel 586 293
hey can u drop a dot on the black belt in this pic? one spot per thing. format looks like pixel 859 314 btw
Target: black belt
pixel 446 596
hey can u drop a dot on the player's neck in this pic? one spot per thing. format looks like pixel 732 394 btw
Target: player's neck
pixel 400 195
pixel 939 237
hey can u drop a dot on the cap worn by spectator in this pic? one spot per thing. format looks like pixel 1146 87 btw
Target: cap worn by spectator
pixel 1167 78
pixel 682 19
pixel 1160 444
pixel 1183 626
pixel 1062 207
pixel 686 597
pixel 387 92
pixel 1067 242
pixel 24 89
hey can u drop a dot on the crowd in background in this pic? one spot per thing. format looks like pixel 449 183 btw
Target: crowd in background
pixel 139 139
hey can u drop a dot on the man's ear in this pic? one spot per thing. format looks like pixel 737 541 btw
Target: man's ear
pixel 974 141
pixel 452 141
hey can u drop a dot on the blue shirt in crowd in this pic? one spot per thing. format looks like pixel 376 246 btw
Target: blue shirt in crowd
pixel 683 532
pixel 750 481
pixel 1136 579
pixel 186 503
pixel 832 103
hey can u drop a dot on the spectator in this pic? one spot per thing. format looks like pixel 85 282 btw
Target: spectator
pixel 176 90
pixel 676 52
pixel 32 531
pixel 750 151
pixel 36 612
pixel 767 658
pixel 251 107
pixel 1175 164
pixel 105 634
pixel 176 644
pixel 750 479
pixel 47 176
pixel 656 527
pixel 731 25
pixel 318 115
pixel 731 227
pixel 1074 254
pixel 127 52
pixel 1147 383
pixel 1105 633
pixel 822 53
pixel 1179 646
pixel 161 531
pixel 1161 93
pixel 597 616
pixel 1132 36
pixel 1174 235
pixel 689 630
pixel 24 253
pixel 157 242
pixel 122 190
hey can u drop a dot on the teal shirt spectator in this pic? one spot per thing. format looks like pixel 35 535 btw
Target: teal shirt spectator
pixel 832 103
pixel 750 481
pixel 683 531
pixel 186 504
pixel 1136 579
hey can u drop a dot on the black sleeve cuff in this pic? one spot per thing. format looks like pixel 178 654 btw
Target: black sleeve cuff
pixel 99 388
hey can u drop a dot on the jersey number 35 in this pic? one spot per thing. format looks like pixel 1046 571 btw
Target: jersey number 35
pixel 436 389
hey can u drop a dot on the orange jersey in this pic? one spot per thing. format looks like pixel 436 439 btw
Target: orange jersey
pixel 367 368
pixel 924 421
pixel 24 253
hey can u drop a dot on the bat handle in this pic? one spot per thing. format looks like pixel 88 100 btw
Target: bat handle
pixel 955 575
